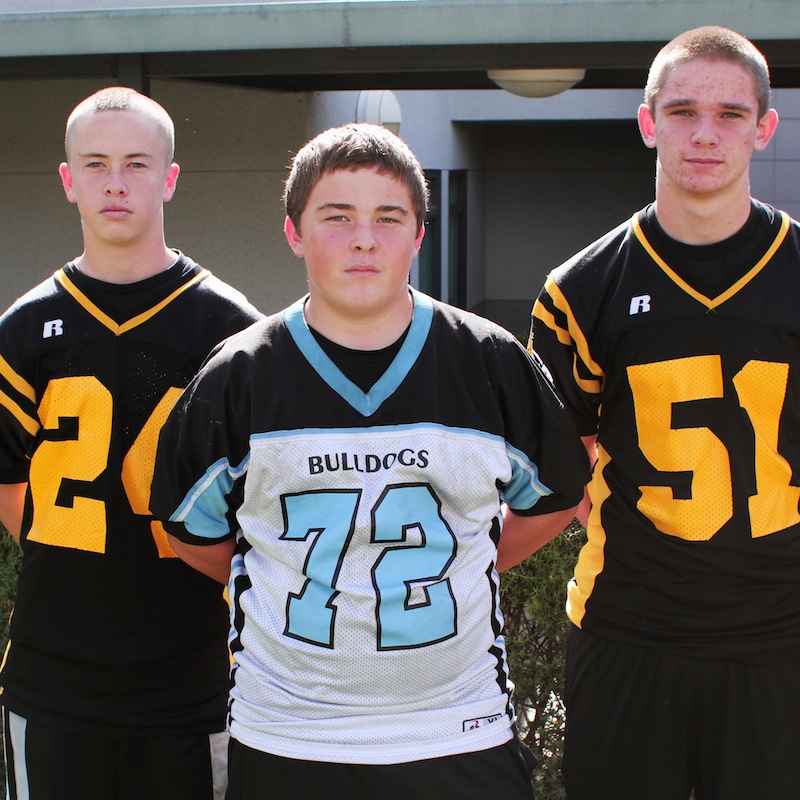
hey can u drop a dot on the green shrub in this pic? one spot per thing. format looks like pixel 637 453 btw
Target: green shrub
pixel 10 556
pixel 532 600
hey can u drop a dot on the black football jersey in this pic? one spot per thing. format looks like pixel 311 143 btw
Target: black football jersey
pixel 692 385
pixel 111 632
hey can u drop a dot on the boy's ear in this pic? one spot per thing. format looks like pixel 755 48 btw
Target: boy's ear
pixel 766 129
pixel 647 125
pixel 171 181
pixel 293 237
pixel 420 236
pixel 66 181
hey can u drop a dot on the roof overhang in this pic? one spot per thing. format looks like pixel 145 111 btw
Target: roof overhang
pixel 394 44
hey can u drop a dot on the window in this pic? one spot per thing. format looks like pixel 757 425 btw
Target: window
pixel 457 238
pixel 452 286
pixel 430 254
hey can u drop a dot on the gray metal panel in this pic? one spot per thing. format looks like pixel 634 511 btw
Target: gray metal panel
pixel 399 43
pixel 290 25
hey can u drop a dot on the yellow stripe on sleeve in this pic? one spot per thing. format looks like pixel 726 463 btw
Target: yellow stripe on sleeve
pixel 17 381
pixel 572 336
pixel 30 424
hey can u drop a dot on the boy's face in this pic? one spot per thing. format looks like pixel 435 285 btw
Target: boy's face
pixel 117 173
pixel 706 127
pixel 358 236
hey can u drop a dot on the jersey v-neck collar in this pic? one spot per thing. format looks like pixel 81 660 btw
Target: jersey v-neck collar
pixel 366 403
pixel 736 286
pixel 116 328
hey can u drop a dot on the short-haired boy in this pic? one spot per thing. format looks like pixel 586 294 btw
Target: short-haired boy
pixel 114 686
pixel 371 435
pixel 674 339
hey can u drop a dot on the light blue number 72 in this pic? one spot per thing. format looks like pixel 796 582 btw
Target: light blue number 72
pixel 414 602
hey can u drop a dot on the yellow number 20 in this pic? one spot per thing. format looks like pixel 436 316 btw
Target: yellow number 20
pixel 78 412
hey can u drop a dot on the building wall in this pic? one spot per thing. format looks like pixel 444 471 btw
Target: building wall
pixel 233 146
pixel 559 172
pixel 551 189
pixel 775 173
pixel 38 228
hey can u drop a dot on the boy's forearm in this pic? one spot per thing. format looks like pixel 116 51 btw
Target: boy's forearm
pixel 523 536
pixel 12 504
pixel 213 560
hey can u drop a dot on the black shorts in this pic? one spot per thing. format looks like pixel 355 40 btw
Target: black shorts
pixel 500 772
pixel 47 764
pixel 642 723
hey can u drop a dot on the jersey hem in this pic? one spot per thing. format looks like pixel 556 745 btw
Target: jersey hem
pixel 334 753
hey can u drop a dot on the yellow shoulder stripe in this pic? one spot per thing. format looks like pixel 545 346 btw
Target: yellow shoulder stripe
pixel 16 380
pixel 30 424
pixel 573 335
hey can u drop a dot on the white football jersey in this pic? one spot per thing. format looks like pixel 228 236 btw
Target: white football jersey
pixel 365 620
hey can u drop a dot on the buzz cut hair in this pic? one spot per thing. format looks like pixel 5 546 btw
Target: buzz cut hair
pixel 712 43
pixel 353 147
pixel 121 98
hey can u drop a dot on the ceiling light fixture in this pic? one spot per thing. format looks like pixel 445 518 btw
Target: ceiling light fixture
pixel 536 82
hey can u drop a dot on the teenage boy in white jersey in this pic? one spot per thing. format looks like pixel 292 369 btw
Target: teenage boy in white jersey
pixel 370 436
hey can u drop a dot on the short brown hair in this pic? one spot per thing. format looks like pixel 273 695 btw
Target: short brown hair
pixel 121 98
pixel 713 43
pixel 352 147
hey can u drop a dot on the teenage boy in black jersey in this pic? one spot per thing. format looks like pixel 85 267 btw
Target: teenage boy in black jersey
pixel 675 339
pixel 115 682
pixel 371 435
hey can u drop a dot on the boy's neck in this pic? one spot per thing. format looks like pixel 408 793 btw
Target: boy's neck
pixel 360 333
pixel 124 264
pixel 702 220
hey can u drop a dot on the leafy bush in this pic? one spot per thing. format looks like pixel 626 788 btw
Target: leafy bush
pixel 10 557
pixel 532 600
pixel 536 625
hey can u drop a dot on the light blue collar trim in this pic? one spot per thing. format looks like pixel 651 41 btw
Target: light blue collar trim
pixel 366 404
